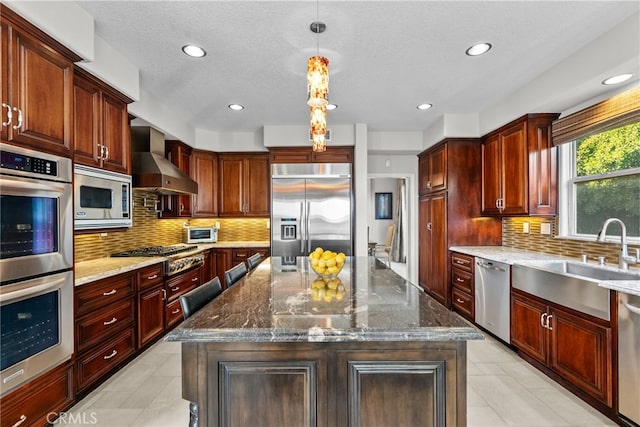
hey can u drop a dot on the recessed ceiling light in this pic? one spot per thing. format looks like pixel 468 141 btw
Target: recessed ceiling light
pixel 331 106
pixel 424 106
pixel 236 107
pixel 478 49
pixel 194 51
pixel 614 80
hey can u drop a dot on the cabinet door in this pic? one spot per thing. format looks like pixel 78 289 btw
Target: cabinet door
pixel 491 176
pixel 333 155
pixel 205 173
pixel 513 162
pixel 580 351
pixel 527 331
pixel 179 154
pixel 115 134
pixel 221 262
pixel 543 169
pixel 231 197
pixel 424 241
pixel 86 123
pixel 437 283
pixel 423 173
pixel 258 184
pixel 290 155
pixel 438 169
pixel 151 309
pixel 41 87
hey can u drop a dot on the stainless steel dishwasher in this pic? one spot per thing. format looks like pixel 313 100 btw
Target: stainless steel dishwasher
pixel 492 297
pixel 629 356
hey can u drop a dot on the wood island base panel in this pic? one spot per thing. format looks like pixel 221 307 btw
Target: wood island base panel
pixel 286 348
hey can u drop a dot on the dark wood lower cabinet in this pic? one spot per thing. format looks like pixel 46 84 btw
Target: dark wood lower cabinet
pixel 573 347
pixel 326 384
pixel 39 402
pixel 151 308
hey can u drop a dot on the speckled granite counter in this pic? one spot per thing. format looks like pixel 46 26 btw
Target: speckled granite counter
pixel 100 268
pixel 266 352
pixel 274 304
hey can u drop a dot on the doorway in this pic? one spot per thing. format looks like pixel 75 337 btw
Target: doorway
pixel 398 189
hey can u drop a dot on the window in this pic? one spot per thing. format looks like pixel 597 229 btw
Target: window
pixel 600 179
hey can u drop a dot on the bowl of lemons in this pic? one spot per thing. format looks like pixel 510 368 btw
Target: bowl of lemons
pixel 327 263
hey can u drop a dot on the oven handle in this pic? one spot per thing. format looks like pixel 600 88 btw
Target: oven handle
pixel 56 283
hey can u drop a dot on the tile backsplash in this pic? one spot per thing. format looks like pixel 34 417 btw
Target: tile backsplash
pixel 513 236
pixel 148 230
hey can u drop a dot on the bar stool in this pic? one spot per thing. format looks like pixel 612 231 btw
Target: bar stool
pixel 232 275
pixel 253 261
pixel 195 299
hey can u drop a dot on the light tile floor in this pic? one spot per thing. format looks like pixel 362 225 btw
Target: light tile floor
pixel 503 390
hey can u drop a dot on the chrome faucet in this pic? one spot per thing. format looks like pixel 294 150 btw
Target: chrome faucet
pixel 623 258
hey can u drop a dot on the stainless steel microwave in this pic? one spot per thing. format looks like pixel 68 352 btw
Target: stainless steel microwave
pixel 102 199
pixel 200 234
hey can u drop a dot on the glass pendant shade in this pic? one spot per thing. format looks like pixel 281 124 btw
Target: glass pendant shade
pixel 319 143
pixel 317 81
pixel 318 120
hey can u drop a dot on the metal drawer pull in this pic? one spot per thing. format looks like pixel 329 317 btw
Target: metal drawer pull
pixel 113 353
pixel 459 262
pixel 195 279
pixel 110 322
pixel 111 292
pixel 176 311
pixel 175 289
pixel 459 279
pixel 155 276
pixel 459 300
pixel 22 419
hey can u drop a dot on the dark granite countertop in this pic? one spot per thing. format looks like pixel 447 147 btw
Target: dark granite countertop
pixel 277 302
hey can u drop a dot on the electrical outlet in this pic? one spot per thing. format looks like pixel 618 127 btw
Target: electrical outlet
pixel 525 227
pixel 545 228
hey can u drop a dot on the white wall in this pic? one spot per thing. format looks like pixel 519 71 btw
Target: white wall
pixel 378 227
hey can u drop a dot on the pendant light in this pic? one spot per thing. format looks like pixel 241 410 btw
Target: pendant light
pixel 318 88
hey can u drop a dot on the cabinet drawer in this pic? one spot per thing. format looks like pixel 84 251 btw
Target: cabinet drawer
pixel 465 262
pixel 240 255
pixel 101 293
pixel 173 313
pixel 183 283
pixel 96 327
pixel 462 279
pixel 149 276
pixel 92 366
pixel 264 252
pixel 463 303
pixel 34 401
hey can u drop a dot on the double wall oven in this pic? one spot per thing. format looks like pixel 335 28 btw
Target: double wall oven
pixel 36 256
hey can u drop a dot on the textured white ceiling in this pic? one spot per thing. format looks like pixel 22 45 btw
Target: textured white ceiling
pixel 385 56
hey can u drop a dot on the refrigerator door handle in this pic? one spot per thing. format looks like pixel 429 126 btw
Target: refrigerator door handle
pixel 308 225
pixel 302 238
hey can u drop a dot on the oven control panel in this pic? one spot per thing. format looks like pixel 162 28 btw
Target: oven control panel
pixel 31 164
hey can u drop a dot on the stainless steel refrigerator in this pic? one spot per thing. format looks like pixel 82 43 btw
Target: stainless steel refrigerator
pixel 311 206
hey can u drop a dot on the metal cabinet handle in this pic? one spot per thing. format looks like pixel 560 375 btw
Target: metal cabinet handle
pixel 175 289
pixel 176 311
pixel 429 184
pixel 155 276
pixel 111 292
pixel 113 353
pixel 429 226
pixel 632 308
pixel 164 295
pixel 195 279
pixel 460 262
pixel 23 417
pixel 19 111
pixel 110 322
pixel 459 279
pixel 542 319
pixel 549 327
pixel 459 300
pixel 9 114
pixel 106 151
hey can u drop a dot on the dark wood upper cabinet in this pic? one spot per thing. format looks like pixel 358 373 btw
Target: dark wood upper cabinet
pixel 100 125
pixel 37 87
pixel 433 167
pixel 245 182
pixel 175 206
pixel 519 168
pixel 204 170
pixel 306 155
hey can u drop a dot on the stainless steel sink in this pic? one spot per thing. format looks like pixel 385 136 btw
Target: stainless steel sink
pixel 586 271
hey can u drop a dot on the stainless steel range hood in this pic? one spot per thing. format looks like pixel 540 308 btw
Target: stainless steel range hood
pixel 151 170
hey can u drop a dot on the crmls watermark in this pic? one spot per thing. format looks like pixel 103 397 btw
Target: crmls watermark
pixel 70 418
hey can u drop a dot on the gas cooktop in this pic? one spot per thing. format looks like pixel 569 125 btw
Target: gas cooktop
pixel 156 251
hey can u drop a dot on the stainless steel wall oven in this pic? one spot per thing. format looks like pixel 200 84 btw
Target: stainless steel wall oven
pixel 36 256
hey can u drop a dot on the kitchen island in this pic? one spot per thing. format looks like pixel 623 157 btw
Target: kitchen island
pixel 284 348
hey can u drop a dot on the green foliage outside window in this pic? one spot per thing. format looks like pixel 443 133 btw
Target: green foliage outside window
pixel 603 197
